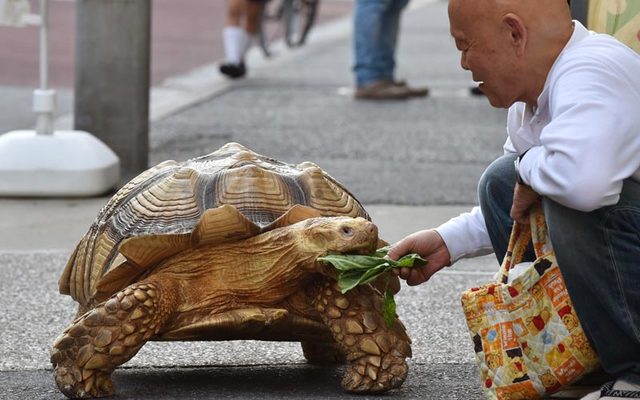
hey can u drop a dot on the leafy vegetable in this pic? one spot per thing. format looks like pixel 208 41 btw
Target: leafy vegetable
pixel 389 312
pixel 354 270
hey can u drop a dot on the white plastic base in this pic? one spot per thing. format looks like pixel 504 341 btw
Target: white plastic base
pixel 66 163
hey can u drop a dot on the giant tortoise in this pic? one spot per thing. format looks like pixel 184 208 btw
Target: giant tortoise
pixel 224 247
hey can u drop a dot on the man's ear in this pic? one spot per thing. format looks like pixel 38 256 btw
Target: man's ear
pixel 517 31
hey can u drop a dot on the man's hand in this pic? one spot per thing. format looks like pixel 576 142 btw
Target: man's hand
pixel 523 199
pixel 430 246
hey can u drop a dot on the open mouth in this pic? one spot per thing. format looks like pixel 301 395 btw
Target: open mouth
pixel 364 249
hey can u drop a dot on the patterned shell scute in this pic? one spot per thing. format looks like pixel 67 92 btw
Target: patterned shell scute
pixel 170 198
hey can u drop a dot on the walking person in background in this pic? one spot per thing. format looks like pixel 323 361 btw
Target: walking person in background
pixel 237 38
pixel 573 143
pixel 376 25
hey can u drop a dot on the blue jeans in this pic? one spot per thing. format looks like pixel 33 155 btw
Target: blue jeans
pixel 375 34
pixel 598 253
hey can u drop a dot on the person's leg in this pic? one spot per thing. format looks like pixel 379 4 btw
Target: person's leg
pixel 495 194
pixel 233 34
pixel 598 253
pixel 235 39
pixel 389 27
pixel 367 30
pixel 376 24
pixel 254 11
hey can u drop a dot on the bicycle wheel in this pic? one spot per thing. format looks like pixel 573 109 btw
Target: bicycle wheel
pixel 271 28
pixel 299 18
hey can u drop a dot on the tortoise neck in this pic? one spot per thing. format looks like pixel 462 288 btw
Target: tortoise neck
pixel 268 267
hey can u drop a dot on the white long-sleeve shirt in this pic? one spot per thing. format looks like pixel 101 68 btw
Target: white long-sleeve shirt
pixel 581 141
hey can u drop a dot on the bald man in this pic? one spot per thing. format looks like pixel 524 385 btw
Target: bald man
pixel 573 143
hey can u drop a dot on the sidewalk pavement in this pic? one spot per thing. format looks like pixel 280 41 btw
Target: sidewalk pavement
pixel 413 164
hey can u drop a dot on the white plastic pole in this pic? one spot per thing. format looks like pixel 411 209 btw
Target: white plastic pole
pixel 44 48
pixel 44 100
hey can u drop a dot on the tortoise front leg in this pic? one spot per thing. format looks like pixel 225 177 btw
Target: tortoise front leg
pixel 88 351
pixel 375 354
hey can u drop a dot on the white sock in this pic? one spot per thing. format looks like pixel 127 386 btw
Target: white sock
pixel 234 39
pixel 249 40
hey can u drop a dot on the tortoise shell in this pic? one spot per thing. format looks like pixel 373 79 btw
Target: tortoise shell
pixel 230 194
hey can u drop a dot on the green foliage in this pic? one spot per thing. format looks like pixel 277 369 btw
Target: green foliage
pixel 389 312
pixel 354 270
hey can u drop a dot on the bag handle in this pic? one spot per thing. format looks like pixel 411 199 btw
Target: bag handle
pixel 521 234
pixel 539 232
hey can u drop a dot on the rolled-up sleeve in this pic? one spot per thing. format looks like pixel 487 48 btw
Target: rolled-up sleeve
pixel 466 235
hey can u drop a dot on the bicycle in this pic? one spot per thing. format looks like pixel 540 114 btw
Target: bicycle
pixel 290 20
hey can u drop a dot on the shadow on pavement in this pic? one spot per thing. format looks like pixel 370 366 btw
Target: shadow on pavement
pixel 434 381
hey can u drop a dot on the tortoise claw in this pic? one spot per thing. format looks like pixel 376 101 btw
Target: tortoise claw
pixel 96 385
pixel 366 377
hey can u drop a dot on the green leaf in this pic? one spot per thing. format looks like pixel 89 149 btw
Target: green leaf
pixel 381 252
pixel 389 311
pixel 374 273
pixel 348 280
pixel 344 262
pixel 355 270
pixel 411 260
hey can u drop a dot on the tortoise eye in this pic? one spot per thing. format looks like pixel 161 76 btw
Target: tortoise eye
pixel 347 230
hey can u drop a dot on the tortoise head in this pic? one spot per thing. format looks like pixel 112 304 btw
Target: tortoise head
pixel 340 234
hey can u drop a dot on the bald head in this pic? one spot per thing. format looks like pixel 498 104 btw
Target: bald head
pixel 538 10
pixel 523 36
pixel 543 19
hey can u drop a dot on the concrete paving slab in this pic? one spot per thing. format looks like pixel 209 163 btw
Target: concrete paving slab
pixel 45 224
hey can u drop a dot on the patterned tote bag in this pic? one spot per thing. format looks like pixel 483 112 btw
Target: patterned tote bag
pixel 526 335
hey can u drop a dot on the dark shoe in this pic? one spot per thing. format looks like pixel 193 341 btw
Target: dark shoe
pixel 415 91
pixel 384 90
pixel 233 71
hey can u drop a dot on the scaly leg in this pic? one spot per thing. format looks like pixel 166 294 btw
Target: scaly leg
pixel 375 354
pixel 86 353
